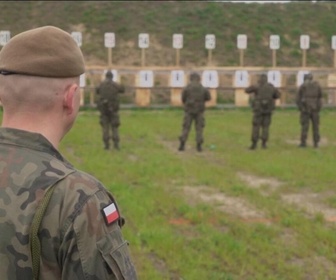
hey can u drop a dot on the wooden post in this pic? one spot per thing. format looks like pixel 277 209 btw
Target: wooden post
pixel 81 97
pixel 274 62
pixel 177 57
pixel 209 57
pixel 241 57
pixel 213 101
pixel 304 58
pixel 109 54
pixel 142 95
pixel 143 57
pixel 175 97
pixel 241 98
pixel 331 82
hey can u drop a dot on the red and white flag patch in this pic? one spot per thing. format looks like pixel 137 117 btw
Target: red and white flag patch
pixel 110 213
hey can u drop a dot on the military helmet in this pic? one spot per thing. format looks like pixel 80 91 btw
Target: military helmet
pixel 263 79
pixel 195 76
pixel 109 74
pixel 309 76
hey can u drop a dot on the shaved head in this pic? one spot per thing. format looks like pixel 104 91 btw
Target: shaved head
pixel 19 92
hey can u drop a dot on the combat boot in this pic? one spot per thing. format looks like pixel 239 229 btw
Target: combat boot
pixel 181 148
pixel 199 147
pixel 253 146
pixel 315 144
pixel 264 146
pixel 116 145
pixel 303 145
pixel 106 145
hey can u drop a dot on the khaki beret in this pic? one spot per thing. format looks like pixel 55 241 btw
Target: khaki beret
pixel 45 51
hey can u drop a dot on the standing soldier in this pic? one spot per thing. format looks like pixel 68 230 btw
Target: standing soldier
pixel 108 105
pixel 263 105
pixel 57 222
pixel 309 102
pixel 194 96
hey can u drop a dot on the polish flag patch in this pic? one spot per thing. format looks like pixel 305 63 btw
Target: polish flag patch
pixel 110 213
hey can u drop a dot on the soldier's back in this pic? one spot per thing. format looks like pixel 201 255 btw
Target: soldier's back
pixel 72 223
pixel 195 99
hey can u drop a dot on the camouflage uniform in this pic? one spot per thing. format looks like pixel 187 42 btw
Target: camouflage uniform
pixel 76 241
pixel 194 97
pixel 108 105
pixel 263 105
pixel 309 102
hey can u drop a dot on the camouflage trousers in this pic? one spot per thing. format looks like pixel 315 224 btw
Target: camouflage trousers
pixel 305 119
pixel 199 121
pixel 261 123
pixel 110 123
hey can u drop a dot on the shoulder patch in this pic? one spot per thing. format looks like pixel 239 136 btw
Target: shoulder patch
pixel 110 213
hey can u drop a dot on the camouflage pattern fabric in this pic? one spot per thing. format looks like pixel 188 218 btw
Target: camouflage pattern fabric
pixel 76 241
pixel 194 96
pixel 263 105
pixel 108 106
pixel 309 102
pixel 199 121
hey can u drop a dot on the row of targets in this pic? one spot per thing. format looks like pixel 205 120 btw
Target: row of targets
pixel 209 78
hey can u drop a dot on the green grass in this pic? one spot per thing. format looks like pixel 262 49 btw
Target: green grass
pixel 175 234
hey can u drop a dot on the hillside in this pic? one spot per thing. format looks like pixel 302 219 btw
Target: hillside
pixel 194 20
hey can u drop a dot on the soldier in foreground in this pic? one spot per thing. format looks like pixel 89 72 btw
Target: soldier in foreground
pixel 309 102
pixel 263 105
pixel 194 96
pixel 108 106
pixel 56 222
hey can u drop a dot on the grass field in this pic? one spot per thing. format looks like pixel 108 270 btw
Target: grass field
pixel 225 213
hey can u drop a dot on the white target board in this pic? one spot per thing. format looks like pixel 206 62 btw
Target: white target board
pixel 77 36
pixel 333 42
pixel 300 76
pixel 241 41
pixel 114 73
pixel 4 37
pixel 143 40
pixel 210 78
pixel 241 78
pixel 210 41
pixel 109 40
pixel 274 42
pixel 177 78
pixel 304 42
pixel 274 77
pixel 146 79
pixel 82 81
pixel 177 41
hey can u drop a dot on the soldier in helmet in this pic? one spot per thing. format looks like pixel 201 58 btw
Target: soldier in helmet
pixel 263 105
pixel 194 96
pixel 309 102
pixel 108 105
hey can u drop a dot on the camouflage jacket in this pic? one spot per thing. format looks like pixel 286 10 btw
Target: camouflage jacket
pixel 264 97
pixel 108 92
pixel 309 97
pixel 194 96
pixel 76 238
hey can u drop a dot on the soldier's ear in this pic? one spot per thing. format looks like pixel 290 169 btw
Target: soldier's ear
pixel 71 98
